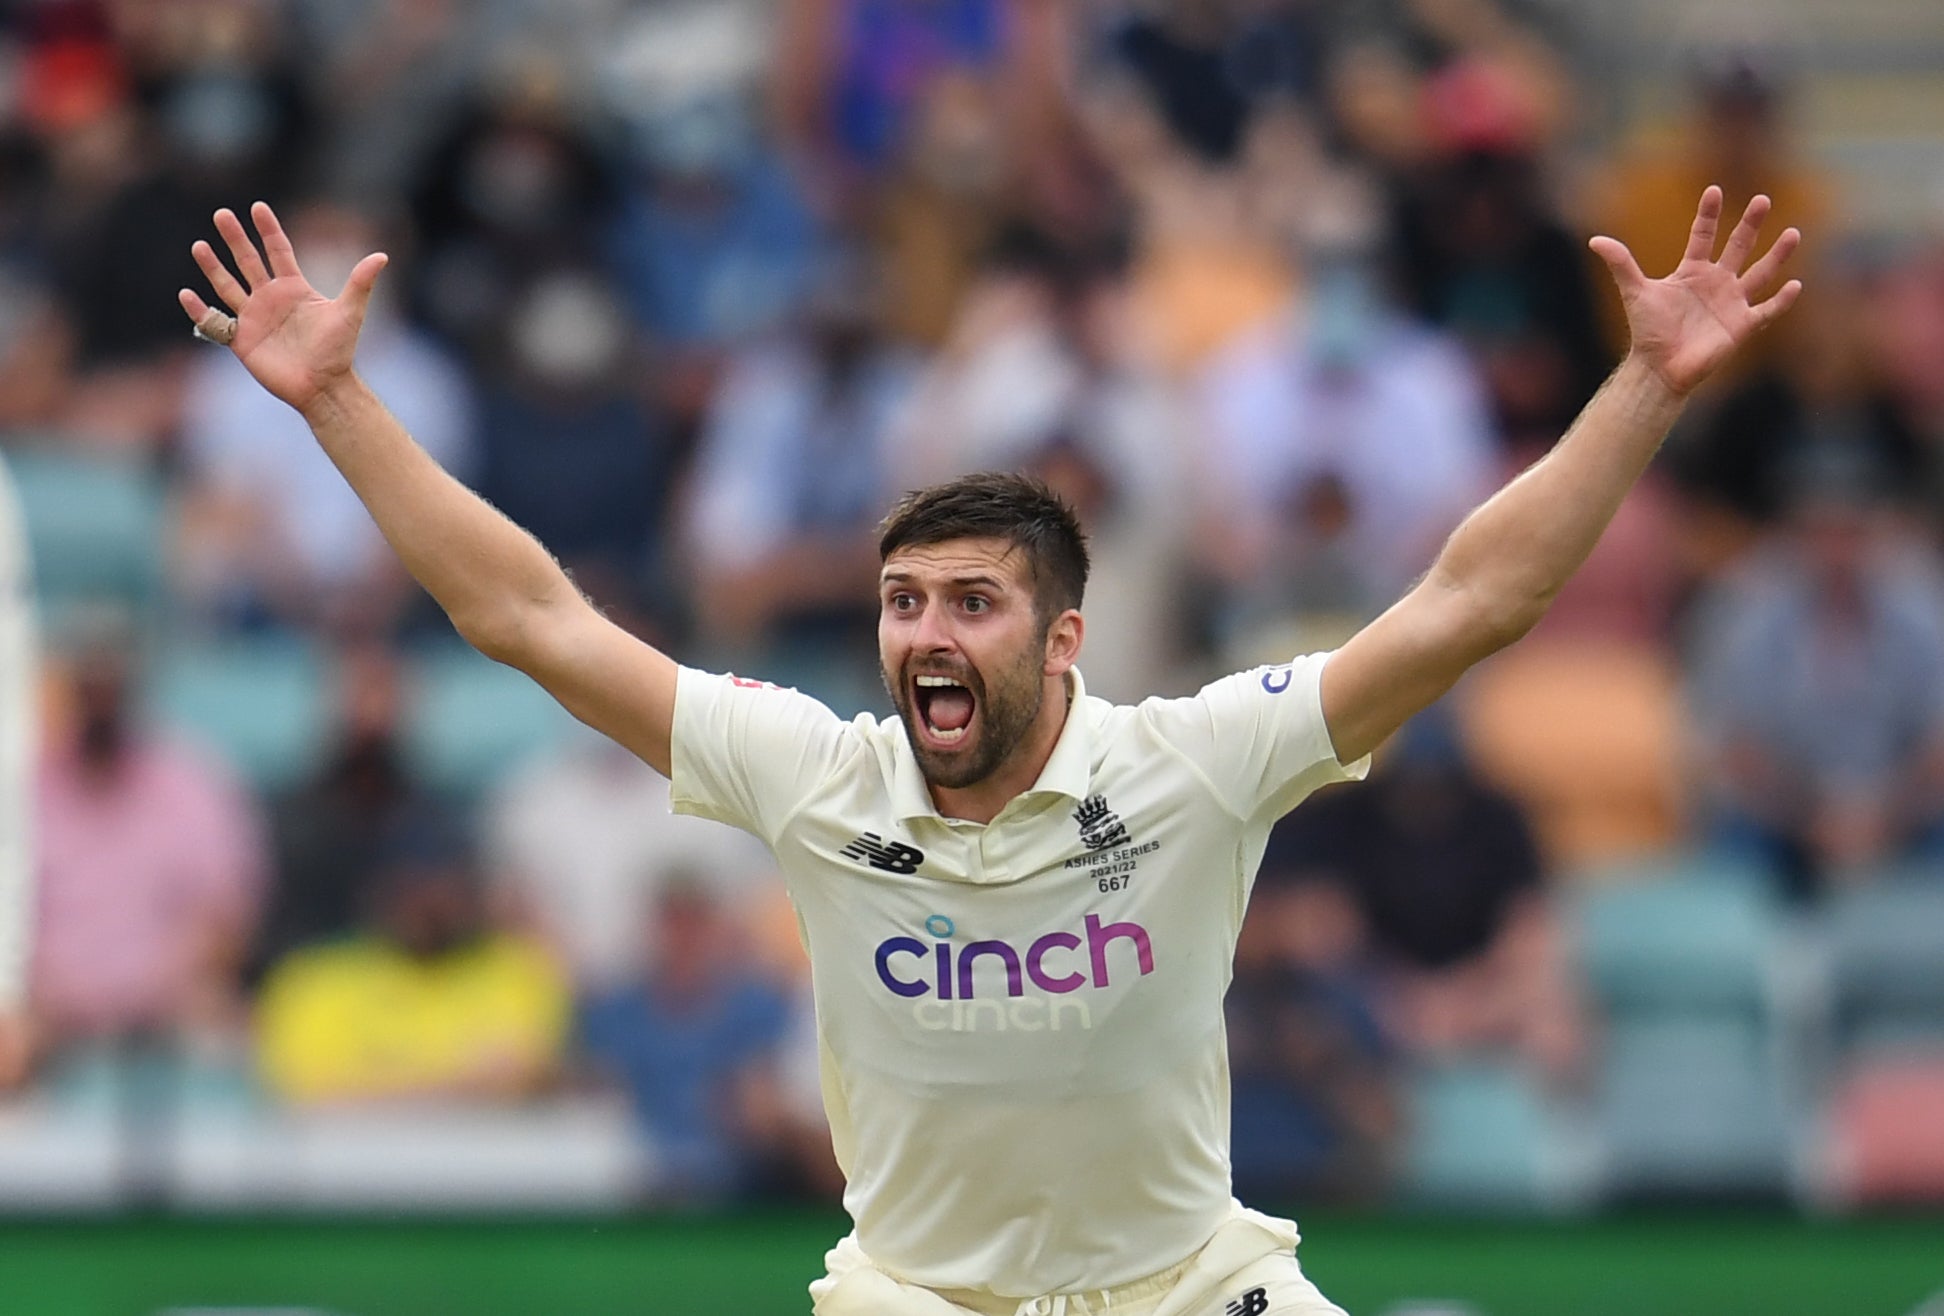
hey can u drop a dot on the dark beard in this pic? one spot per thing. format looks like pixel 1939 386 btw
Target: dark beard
pixel 1006 713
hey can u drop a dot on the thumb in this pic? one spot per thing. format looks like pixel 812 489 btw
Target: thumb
pixel 356 296
pixel 1620 262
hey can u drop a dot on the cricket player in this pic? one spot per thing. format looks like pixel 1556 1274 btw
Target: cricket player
pixel 1020 902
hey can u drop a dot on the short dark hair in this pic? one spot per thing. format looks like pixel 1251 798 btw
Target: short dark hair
pixel 1020 509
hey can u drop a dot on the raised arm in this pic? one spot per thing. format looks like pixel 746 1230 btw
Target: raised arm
pixel 504 592
pixel 1502 567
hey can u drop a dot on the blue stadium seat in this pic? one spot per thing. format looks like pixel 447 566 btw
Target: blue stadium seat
pixel 1886 949
pixel 1694 1108
pixel 263 704
pixel 472 720
pixel 1682 936
pixel 1480 1136
pixel 94 527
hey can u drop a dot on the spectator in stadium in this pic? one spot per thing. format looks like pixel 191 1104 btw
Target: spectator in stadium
pixel 329 833
pixel 851 75
pixel 1826 386
pixel 790 474
pixel 1042 371
pixel 1313 1107
pixel 1814 696
pixel 515 179
pixel 431 1002
pixel 695 1043
pixel 178 114
pixel 36 342
pixel 1484 257
pixel 1446 882
pixel 391 73
pixel 581 844
pixel 1738 136
pixel 950 199
pixel 714 240
pixel 1903 334
pixel 152 863
pixel 269 534
pixel 572 443
pixel 1209 66
pixel 1344 442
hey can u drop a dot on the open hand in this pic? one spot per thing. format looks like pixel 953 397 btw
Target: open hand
pixel 297 342
pixel 1686 324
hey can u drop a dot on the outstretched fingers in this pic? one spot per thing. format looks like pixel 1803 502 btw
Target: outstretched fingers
pixel 1761 275
pixel 220 279
pixel 364 277
pixel 243 251
pixel 276 244
pixel 1707 222
pixel 1742 241
pixel 192 305
pixel 1766 313
pixel 1626 270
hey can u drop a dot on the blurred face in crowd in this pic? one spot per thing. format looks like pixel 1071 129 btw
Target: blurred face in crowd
pixel 519 177
pixel 1835 537
pixel 686 937
pixel 966 653
pixel 430 908
pixel 101 707
pixel 333 239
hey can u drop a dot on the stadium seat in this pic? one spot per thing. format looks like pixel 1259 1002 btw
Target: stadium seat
pixel 1479 1137
pixel 472 720
pixel 1678 936
pixel 1583 732
pixel 1693 1108
pixel 94 527
pixel 262 704
pixel 1887 1131
pixel 1886 948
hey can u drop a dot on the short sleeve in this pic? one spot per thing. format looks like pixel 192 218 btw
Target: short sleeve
pixel 1258 737
pixel 749 753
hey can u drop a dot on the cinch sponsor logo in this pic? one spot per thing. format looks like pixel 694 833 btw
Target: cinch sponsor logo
pixel 1053 963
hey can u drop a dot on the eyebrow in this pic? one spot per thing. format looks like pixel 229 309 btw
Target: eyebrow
pixel 905 578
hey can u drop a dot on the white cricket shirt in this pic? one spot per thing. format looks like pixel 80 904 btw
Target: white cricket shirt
pixel 17 716
pixel 1020 1022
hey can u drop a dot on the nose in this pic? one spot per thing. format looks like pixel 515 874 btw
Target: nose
pixel 933 633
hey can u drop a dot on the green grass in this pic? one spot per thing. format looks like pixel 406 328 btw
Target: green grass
pixel 757 1266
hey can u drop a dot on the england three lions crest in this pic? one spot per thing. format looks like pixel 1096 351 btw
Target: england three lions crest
pixel 1100 827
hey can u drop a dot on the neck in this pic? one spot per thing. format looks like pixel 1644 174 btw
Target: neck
pixel 982 800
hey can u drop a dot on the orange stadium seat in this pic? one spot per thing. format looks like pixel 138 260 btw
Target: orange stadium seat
pixel 1583 733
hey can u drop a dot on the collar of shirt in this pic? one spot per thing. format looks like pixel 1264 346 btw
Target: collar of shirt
pixel 1068 770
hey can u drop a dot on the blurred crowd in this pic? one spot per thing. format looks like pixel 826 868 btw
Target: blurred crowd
pixel 1274 291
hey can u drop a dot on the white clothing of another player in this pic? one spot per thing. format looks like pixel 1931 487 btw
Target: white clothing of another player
pixel 1023 1061
pixel 17 725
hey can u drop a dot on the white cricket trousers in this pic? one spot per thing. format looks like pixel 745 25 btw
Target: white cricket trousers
pixel 1248 1268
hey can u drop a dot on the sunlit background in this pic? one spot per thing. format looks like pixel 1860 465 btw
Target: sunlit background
pixel 361 980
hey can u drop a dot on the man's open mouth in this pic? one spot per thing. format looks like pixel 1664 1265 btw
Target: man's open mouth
pixel 945 708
